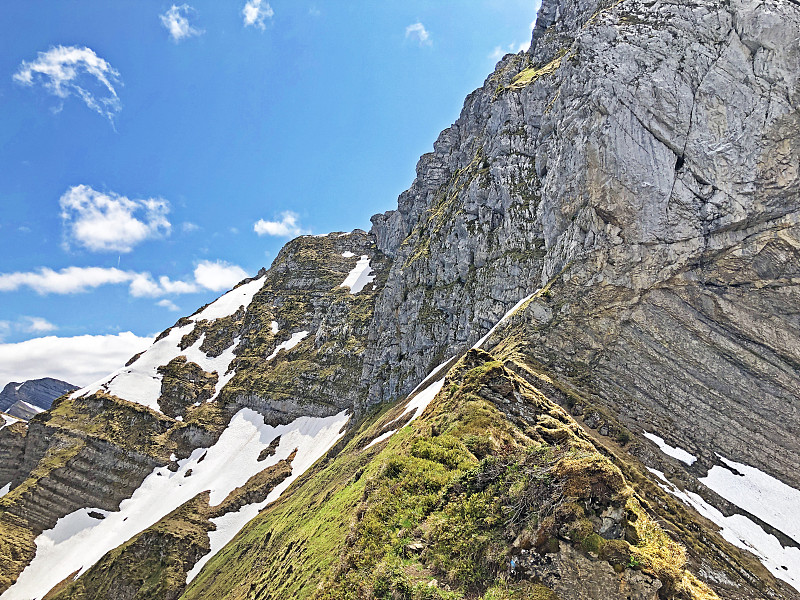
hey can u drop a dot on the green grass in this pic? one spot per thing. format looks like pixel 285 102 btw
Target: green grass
pixel 431 512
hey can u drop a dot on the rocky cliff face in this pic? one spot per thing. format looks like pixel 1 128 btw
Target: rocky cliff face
pixel 634 179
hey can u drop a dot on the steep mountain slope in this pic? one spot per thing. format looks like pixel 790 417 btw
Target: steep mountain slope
pixel 615 216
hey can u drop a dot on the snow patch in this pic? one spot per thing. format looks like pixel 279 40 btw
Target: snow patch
pixel 33 407
pixel 229 303
pixel 381 437
pixel 673 451
pixel 288 344
pixel 347 254
pixel 78 541
pixel 783 563
pixel 8 420
pixel 360 276
pixel 659 474
pixel 505 317
pixel 420 402
pixel 274 327
pixel 312 437
pixel 761 495
pixel 140 382
pixel 5 489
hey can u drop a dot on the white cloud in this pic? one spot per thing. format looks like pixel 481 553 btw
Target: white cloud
pixel 79 360
pixel 256 12
pixel 70 280
pixel 215 276
pixel 107 222
pixel 219 275
pixel 189 227
pixel 37 325
pixel 417 32
pixel 288 226
pixel 143 285
pixel 168 304
pixel 5 329
pixel 176 21
pixel 69 70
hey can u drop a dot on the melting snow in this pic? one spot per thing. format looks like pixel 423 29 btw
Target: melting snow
pixel 33 407
pixel 78 541
pixel 503 319
pixel 274 327
pixel 420 402
pixel 761 495
pixel 5 489
pixel 348 254
pixel 679 453
pixel 8 420
pixel 381 437
pixel 360 276
pixel 140 382
pixel 229 303
pixel 312 437
pixel 783 563
pixel 288 344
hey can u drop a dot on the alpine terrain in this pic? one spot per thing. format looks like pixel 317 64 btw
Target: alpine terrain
pixel 567 366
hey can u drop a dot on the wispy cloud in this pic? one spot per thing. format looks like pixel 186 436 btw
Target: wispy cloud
pixel 168 304
pixel 208 275
pixel 500 51
pixel 108 222
pixel 79 360
pixel 26 325
pixel 417 31
pixel 66 71
pixel 144 285
pixel 189 227
pixel 255 14
pixel 176 21
pixel 37 325
pixel 288 226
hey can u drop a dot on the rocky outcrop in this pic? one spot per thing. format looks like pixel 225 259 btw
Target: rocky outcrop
pixel 39 392
pixel 184 383
pixel 303 292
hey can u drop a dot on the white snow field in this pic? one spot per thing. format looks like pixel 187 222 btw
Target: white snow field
pixel 360 276
pixel 760 494
pixel 675 452
pixel 140 382
pixel 312 437
pixel 782 562
pixel 5 489
pixel 78 541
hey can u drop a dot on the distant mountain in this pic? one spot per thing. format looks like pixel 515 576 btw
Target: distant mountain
pixel 23 399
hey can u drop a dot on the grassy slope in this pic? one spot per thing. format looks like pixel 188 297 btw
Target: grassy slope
pixel 444 499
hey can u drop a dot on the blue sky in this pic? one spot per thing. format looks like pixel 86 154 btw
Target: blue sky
pixel 152 154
